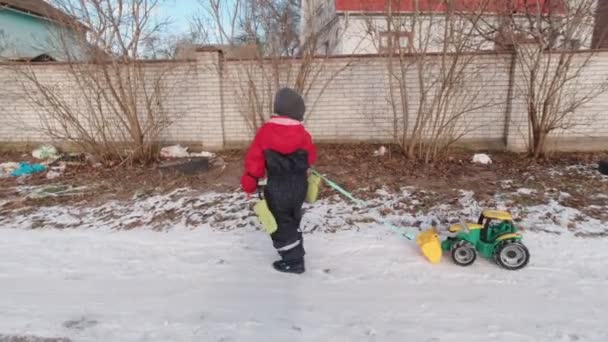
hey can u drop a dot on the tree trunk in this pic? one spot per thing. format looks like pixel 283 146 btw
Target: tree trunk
pixel 538 143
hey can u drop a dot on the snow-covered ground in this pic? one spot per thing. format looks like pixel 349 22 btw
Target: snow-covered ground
pixel 198 269
pixel 101 285
pixel 410 208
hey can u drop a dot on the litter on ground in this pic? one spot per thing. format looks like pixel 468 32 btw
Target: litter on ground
pixel 178 151
pixel 7 168
pixel 45 152
pixel 482 158
pixel 27 169
pixel 175 151
pixel 380 152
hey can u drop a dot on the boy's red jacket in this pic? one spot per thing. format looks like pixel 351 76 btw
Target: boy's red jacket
pixel 280 134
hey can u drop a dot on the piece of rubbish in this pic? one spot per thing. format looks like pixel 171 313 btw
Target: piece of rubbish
pixel 494 237
pixel 175 151
pixel 26 169
pixel 380 152
pixel 265 216
pixel 188 166
pixel 7 168
pixel 73 158
pixel 603 167
pixel 314 185
pixel 45 152
pixel 179 151
pixel 482 158
pixel 203 154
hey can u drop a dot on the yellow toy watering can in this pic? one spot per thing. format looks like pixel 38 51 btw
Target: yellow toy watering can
pixel 264 214
pixel 314 185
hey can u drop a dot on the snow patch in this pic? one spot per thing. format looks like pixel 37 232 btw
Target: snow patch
pixel 525 191
pixel 556 218
pixel 407 209
pixel 564 196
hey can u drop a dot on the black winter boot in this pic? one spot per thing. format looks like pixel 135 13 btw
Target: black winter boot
pixel 290 266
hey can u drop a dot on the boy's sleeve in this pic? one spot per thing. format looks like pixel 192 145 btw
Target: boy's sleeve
pixel 310 147
pixel 255 165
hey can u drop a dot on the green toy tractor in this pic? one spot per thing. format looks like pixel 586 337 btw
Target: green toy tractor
pixel 493 236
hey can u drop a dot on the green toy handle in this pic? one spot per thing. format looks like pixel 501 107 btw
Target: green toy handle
pixel 337 188
pixel 407 235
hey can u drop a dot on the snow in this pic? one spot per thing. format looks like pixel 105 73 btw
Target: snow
pixel 200 285
pixel 232 211
pixel 198 269
pixel 526 191
pixel 553 217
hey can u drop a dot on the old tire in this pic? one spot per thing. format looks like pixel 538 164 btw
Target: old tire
pixel 603 167
pixel 463 254
pixel 512 255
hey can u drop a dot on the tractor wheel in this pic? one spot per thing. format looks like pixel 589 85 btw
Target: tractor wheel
pixel 463 254
pixel 512 255
pixel 603 167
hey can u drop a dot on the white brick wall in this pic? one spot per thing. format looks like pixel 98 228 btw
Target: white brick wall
pixel 211 110
pixel 354 105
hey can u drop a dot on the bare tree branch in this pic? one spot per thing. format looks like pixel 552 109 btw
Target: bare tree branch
pixel 434 80
pixel 113 105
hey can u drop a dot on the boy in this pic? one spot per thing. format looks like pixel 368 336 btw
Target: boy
pixel 283 151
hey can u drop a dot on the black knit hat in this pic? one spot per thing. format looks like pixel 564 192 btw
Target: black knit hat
pixel 289 103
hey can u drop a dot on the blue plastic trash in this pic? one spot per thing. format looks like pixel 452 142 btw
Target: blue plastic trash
pixel 26 169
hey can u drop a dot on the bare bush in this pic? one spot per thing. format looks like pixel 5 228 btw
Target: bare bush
pixel 435 79
pixel 267 32
pixel 545 37
pixel 112 103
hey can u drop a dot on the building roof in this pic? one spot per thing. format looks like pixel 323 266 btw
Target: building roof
pixel 244 51
pixel 431 6
pixel 600 32
pixel 39 8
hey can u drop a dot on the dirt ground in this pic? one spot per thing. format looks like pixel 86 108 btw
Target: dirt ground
pixel 352 166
